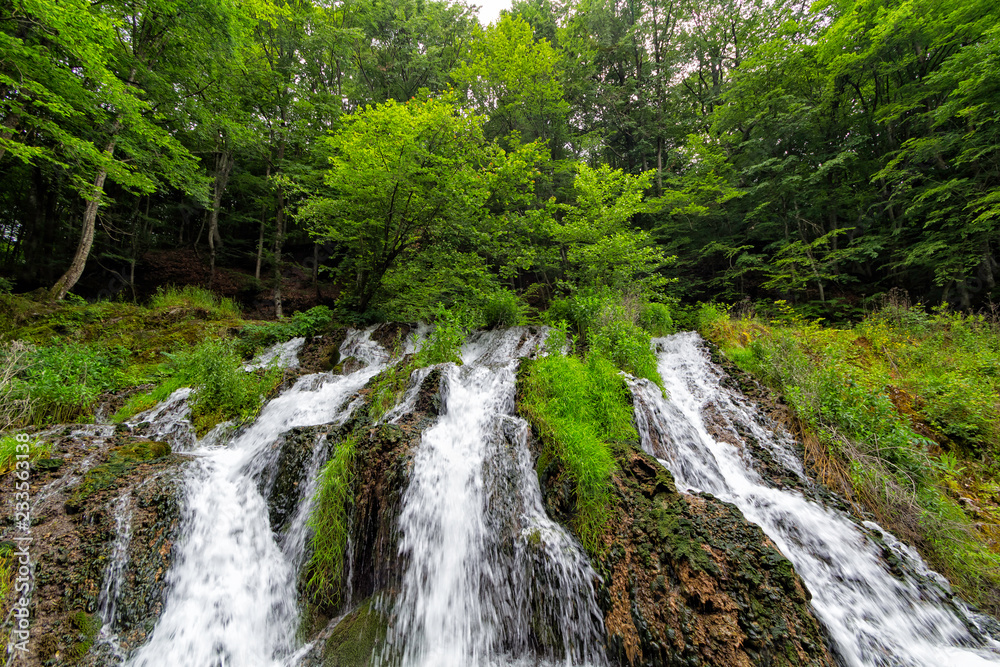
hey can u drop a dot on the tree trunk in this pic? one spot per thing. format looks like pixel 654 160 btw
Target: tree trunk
pixel 68 279
pixel 223 167
pixel 263 221
pixel 279 237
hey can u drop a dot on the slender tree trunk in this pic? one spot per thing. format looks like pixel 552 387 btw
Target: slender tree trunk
pixel 263 221
pixel 223 168
pixel 279 237
pixel 72 275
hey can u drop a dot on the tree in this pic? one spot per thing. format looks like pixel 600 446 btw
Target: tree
pixel 402 177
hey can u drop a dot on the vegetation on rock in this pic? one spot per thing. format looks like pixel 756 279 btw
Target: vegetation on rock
pixel 900 414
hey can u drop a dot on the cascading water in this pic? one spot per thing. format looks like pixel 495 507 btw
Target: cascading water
pixel 114 574
pixel 486 567
pixel 872 616
pixel 231 594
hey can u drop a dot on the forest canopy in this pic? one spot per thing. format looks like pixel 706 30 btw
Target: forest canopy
pixel 406 156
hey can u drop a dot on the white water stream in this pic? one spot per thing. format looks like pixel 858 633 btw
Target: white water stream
pixel 486 566
pixel 872 616
pixel 231 595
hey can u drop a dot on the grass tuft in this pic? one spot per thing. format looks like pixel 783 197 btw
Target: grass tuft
pixel 329 523
pixel 579 409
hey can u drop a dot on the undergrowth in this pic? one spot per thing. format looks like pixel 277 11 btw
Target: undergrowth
pixel 901 414
pixel 11 447
pixel 616 326
pixel 190 296
pixel 312 322
pixel 329 523
pixel 61 357
pixel 579 409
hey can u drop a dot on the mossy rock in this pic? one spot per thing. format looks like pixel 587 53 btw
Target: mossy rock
pixel 687 580
pixel 357 638
pixel 121 460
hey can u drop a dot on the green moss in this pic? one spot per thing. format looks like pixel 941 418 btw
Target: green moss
pixel 86 626
pixel 356 638
pixel 121 460
pixel 578 410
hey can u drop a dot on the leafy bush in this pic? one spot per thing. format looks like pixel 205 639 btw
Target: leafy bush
pixel 445 342
pixel 59 382
pixel 222 389
pixel 10 447
pixel 503 308
pixel 580 310
pixel 579 408
pixel 608 322
pixel 628 347
pixel 190 296
pixel 655 318
pixel 329 523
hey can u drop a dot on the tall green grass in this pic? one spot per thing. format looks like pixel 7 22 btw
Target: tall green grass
pixel 329 522
pixel 580 408
pixel 190 296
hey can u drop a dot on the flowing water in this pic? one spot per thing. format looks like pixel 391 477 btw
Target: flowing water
pixel 487 569
pixel 231 593
pixel 872 616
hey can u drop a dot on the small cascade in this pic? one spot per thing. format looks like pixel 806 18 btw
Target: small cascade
pixel 281 355
pixel 231 591
pixel 488 572
pixel 168 422
pixel 107 601
pixel 872 616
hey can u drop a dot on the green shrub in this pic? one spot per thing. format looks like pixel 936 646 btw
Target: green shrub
pixel 580 310
pixel 62 380
pixel 628 347
pixel 655 318
pixel 445 342
pixel 222 389
pixel 503 308
pixel 579 409
pixel 609 323
pixel 10 447
pixel 329 524
pixel 190 296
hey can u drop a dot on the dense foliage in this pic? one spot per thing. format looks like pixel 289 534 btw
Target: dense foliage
pixel 813 153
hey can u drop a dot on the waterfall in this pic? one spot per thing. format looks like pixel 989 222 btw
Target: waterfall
pixel 486 568
pixel 231 590
pixel 872 616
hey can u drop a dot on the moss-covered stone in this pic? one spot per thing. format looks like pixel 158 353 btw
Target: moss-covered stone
pixel 356 639
pixel 120 461
pixel 687 580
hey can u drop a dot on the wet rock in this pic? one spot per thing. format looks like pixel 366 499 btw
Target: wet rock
pixel 687 580
pixel 281 484
pixel 75 494
pixel 382 461
pixel 350 640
